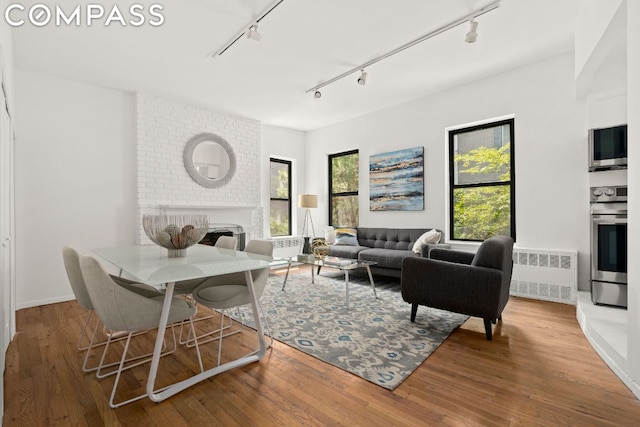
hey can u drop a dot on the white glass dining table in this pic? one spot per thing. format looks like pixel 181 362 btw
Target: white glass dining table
pixel 151 264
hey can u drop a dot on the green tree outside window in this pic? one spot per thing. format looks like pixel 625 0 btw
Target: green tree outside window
pixel 344 173
pixel 482 184
pixel 280 195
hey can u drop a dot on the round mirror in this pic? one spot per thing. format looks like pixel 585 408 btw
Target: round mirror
pixel 209 160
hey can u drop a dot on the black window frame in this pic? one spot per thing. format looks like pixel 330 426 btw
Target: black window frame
pixel 346 193
pixel 511 182
pixel 289 164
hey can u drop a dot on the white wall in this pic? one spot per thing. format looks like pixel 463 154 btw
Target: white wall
pixel 633 86
pixel 289 145
pixel 75 178
pixel 386 130
pixel 7 278
pixel 552 202
pixel 592 22
pixel 607 85
pixel 594 38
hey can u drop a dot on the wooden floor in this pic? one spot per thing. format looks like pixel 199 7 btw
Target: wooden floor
pixel 538 370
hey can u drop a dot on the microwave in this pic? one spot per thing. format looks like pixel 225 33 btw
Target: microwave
pixel 608 148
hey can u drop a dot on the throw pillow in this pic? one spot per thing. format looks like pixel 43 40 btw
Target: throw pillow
pixel 346 237
pixel 330 234
pixel 431 236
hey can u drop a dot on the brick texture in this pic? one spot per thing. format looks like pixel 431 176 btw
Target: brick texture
pixel 163 129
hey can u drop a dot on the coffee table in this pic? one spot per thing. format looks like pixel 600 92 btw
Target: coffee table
pixel 342 264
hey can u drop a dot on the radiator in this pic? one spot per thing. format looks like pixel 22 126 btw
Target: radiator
pixel 550 275
pixel 285 247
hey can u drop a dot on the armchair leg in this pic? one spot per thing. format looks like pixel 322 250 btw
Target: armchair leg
pixel 414 311
pixel 487 329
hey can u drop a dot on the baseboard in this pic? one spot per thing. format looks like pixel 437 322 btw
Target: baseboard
pixel 35 303
pixel 617 362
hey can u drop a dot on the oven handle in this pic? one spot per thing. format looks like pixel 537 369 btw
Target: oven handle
pixel 601 218
pixel 608 211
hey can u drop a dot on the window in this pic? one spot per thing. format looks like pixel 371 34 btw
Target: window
pixel 280 194
pixel 343 189
pixel 482 181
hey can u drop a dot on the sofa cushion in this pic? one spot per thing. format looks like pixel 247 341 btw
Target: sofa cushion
pixel 344 251
pixel 386 258
pixel 389 238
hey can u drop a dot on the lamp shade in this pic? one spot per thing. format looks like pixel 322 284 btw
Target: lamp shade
pixel 307 201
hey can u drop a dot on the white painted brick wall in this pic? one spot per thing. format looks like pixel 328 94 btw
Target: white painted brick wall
pixel 163 129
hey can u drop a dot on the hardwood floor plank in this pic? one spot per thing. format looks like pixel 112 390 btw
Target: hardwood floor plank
pixel 538 371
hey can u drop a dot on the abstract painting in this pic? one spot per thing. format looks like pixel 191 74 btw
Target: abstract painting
pixel 396 180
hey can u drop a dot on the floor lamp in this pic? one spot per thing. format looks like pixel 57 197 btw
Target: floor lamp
pixel 307 201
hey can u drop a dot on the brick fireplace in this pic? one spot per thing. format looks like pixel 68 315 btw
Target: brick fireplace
pixel 163 185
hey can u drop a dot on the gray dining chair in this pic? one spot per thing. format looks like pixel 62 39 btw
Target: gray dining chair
pixel 125 311
pixel 230 290
pixel 71 259
pixel 227 242
pixel 185 287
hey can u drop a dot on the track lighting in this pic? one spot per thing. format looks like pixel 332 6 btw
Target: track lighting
pixel 253 34
pixel 250 30
pixel 362 80
pixel 472 35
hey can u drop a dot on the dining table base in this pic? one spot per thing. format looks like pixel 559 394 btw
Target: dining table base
pixel 165 392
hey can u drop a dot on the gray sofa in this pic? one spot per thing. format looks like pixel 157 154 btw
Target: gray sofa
pixel 386 246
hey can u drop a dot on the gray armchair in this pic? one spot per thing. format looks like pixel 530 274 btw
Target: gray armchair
pixel 476 285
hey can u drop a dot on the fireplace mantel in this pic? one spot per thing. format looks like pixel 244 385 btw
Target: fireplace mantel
pixel 164 208
pixel 246 217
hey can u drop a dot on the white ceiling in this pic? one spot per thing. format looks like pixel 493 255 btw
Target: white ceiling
pixel 305 42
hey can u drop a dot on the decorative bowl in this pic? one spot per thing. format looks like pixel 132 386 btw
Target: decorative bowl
pixel 175 232
pixel 319 248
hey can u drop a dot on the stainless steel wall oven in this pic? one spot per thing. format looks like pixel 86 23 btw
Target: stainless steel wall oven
pixel 609 245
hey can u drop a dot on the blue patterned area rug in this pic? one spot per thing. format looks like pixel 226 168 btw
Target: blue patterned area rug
pixel 373 339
